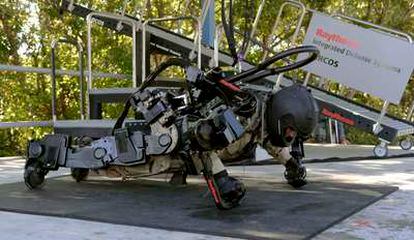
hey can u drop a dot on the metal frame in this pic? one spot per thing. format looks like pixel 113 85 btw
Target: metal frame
pixel 359 121
pixel 183 13
pixel 48 71
pixel 383 29
pixel 329 129
pixel 119 25
pixel 254 27
pixel 197 38
pixel 410 112
pixel 134 25
pixel 296 4
pixel 217 38
pixel 307 77
pixel 79 47
pixel 22 69
pixel 252 33
pixel 20 124
pixel 204 10
pixel 161 39
pixel 302 8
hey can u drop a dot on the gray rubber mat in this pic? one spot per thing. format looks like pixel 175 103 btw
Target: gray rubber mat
pixel 270 210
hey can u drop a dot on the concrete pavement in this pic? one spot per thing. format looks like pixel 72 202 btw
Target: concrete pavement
pixel 390 218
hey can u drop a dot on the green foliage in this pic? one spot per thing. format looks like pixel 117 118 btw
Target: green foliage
pixel 28 27
pixel 356 136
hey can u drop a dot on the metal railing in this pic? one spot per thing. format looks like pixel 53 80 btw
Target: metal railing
pixel 21 124
pixel 302 8
pixel 254 27
pixel 48 71
pixel 197 38
pixel 218 34
pixel 79 47
pixel 134 27
pixel 295 4
pixel 410 112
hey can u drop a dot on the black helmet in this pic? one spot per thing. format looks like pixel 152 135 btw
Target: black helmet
pixel 292 107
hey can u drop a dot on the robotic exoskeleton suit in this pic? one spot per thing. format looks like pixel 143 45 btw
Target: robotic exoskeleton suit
pixel 184 131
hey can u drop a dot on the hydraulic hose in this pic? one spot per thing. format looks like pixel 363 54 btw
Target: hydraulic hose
pixel 229 29
pixel 252 74
pixel 150 78
pixel 261 70
pixel 163 66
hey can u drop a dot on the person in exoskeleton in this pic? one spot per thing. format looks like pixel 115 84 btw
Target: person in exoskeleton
pixel 280 124
pixel 190 132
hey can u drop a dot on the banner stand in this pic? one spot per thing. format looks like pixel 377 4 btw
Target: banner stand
pixel 377 127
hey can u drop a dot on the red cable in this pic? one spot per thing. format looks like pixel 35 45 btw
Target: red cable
pixel 229 85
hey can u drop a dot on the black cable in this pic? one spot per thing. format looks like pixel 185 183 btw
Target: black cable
pixel 257 72
pixel 229 29
pixel 170 62
pixel 261 70
pixel 150 78
pixel 248 13
pixel 121 118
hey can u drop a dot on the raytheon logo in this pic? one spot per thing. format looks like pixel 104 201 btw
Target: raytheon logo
pixel 328 61
pixel 336 38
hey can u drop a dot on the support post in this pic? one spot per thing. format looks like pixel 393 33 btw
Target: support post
pixel 140 61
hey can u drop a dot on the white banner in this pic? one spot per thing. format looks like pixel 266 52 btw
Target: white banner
pixel 360 58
